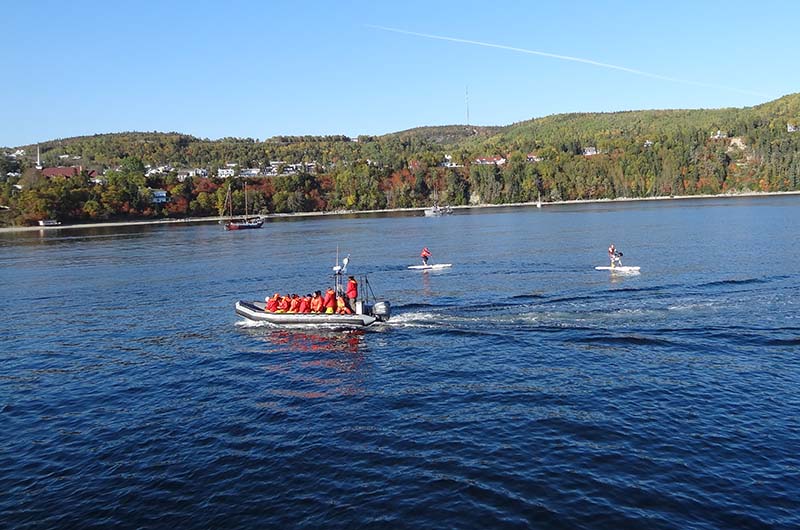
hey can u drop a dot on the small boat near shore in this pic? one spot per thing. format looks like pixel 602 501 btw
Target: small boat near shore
pixel 438 211
pixel 243 223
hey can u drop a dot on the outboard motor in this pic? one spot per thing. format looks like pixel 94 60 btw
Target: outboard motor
pixel 382 311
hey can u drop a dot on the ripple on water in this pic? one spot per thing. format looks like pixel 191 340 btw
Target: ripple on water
pixel 536 393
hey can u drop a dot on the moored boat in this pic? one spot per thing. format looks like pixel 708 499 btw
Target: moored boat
pixel 438 211
pixel 243 223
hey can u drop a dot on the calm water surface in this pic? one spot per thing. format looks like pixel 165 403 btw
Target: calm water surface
pixel 519 389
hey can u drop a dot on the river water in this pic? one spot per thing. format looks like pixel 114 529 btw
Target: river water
pixel 519 389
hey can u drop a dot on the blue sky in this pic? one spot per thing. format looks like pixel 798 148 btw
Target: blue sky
pixel 258 69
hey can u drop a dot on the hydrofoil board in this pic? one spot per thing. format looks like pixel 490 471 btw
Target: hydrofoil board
pixel 429 267
pixel 621 268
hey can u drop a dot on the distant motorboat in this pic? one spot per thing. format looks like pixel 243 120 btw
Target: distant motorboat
pixel 49 222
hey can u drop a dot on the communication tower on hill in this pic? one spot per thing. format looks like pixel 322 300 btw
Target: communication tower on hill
pixel 466 102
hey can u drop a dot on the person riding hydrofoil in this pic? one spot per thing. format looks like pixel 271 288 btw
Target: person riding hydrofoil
pixel 615 256
pixel 425 254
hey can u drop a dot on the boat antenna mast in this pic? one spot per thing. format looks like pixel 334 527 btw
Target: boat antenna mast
pixel 368 291
pixel 337 272
pixel 228 206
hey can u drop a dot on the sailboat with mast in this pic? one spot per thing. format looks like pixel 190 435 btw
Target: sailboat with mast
pixel 240 223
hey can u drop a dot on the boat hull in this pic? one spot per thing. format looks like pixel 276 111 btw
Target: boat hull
pixel 437 211
pixel 244 225
pixel 255 312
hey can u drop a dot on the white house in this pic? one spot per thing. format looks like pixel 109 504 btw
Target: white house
pixel 160 170
pixel 159 196
pixel 184 174
pixel 489 160
pixel 224 173
pixel 448 162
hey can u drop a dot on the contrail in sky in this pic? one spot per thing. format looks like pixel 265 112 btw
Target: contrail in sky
pixel 564 58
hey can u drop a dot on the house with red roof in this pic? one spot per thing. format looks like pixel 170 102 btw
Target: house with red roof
pixel 496 160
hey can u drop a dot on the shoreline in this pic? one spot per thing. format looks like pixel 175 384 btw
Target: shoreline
pixel 213 219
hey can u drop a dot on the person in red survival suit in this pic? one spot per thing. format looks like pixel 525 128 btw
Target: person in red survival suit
pixel 425 254
pixel 272 303
pixel 341 306
pixel 316 302
pixel 295 304
pixel 283 304
pixel 305 304
pixel 329 302
pixel 351 293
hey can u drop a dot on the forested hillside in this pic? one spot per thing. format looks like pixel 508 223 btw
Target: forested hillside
pixel 560 157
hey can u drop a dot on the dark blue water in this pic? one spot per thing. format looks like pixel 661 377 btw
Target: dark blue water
pixel 519 389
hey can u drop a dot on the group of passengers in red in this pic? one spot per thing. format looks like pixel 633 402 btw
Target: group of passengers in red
pixel 329 303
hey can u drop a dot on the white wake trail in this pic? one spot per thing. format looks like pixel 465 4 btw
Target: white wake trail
pixel 566 58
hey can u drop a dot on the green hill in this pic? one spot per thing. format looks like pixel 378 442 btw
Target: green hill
pixel 652 124
pixel 602 130
pixel 560 157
